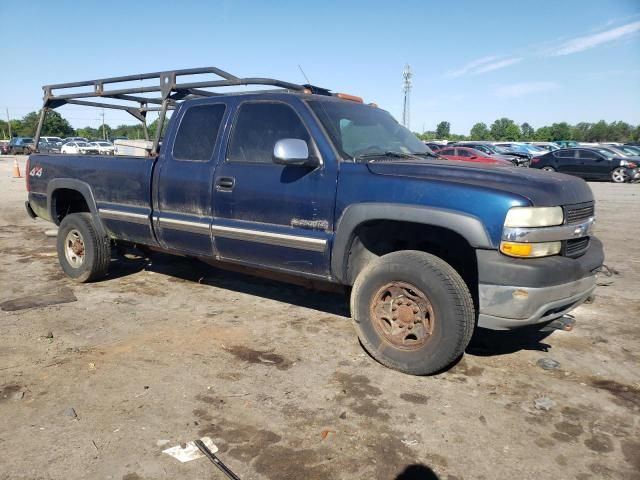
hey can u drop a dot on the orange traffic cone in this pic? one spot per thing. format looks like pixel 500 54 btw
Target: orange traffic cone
pixel 16 169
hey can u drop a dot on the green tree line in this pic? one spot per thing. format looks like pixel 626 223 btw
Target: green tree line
pixel 505 129
pixel 56 125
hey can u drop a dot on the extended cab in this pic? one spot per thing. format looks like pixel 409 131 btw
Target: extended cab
pixel 324 186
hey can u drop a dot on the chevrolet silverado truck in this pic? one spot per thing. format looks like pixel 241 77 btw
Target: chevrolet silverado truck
pixel 321 185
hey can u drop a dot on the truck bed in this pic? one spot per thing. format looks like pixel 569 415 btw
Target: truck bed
pixel 114 183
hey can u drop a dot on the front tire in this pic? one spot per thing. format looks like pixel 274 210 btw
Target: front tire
pixel 619 175
pixel 83 253
pixel 412 312
pixel 548 169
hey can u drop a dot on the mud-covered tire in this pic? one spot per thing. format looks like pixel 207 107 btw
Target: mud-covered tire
pixel 449 303
pixel 84 254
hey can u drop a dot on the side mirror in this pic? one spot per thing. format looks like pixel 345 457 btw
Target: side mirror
pixel 293 151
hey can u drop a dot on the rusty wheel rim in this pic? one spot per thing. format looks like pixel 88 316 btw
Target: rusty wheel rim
pixel 403 315
pixel 74 248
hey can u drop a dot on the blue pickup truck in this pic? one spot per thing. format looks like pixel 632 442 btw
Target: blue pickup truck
pixel 324 186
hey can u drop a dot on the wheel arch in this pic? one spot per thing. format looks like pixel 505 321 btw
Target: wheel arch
pixel 465 226
pixel 82 189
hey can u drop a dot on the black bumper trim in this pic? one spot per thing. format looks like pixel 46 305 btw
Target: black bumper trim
pixel 30 211
pixel 495 268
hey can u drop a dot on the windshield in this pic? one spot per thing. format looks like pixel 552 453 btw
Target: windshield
pixel 359 130
pixel 619 151
pixel 631 150
pixel 606 153
pixel 534 148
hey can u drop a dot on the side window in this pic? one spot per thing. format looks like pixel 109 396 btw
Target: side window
pixel 448 151
pixel 258 127
pixel 588 155
pixel 566 153
pixel 461 152
pixel 197 133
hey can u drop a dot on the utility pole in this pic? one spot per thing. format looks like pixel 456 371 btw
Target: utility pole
pixel 406 113
pixel 104 135
pixel 9 123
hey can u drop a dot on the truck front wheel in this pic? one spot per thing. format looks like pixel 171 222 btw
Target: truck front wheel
pixel 412 312
pixel 83 253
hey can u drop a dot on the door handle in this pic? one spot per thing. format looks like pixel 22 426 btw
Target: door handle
pixel 225 183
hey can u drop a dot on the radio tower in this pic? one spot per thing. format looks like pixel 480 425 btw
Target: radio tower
pixel 406 114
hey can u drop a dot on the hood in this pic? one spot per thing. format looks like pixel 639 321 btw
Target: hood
pixel 545 189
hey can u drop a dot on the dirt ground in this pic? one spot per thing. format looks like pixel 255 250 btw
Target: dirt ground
pixel 169 350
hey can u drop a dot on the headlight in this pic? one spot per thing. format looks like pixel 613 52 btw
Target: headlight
pixel 534 217
pixel 530 250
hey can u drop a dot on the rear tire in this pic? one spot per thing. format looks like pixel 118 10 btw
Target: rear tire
pixel 83 253
pixel 619 175
pixel 548 169
pixel 412 312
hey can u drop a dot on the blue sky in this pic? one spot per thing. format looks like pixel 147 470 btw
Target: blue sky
pixel 540 61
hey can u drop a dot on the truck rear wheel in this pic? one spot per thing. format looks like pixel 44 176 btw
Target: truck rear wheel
pixel 83 253
pixel 413 312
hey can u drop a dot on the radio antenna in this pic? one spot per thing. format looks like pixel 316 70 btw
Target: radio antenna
pixel 304 75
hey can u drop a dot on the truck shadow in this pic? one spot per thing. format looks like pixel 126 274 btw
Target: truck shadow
pixel 315 295
pixel 320 296
pixel 489 343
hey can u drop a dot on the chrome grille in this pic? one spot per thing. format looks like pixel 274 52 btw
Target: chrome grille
pixel 578 213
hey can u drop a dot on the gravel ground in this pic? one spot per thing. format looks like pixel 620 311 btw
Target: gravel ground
pixel 168 350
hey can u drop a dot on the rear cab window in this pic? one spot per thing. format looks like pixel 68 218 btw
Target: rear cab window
pixel 197 133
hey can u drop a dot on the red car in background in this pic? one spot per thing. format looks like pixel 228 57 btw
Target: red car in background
pixel 467 154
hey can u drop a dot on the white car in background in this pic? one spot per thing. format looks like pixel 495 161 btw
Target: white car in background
pixel 79 147
pixel 104 147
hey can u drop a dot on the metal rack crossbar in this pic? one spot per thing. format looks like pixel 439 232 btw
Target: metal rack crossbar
pixel 171 93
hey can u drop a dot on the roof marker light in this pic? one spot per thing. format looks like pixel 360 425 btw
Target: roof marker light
pixel 352 98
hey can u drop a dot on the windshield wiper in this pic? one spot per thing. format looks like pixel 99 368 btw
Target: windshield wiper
pixel 389 153
pixel 425 154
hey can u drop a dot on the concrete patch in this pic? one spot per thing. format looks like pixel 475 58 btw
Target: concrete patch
pixel 62 295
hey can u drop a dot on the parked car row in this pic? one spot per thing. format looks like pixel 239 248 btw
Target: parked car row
pixel 592 163
pixel 616 162
pixel 25 146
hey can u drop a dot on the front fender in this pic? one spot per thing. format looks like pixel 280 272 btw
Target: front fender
pixel 467 226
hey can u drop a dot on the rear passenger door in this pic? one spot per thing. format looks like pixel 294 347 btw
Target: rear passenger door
pixel 568 162
pixel 267 214
pixel 183 179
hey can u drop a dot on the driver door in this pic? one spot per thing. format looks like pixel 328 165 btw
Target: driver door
pixel 278 216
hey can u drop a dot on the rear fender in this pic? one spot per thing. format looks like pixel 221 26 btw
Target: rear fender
pixel 79 186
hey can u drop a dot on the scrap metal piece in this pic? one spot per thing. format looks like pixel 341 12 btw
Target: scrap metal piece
pixel 189 451
pixel 215 460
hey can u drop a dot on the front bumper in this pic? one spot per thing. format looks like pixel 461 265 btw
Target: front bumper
pixel 517 292
pixel 508 307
